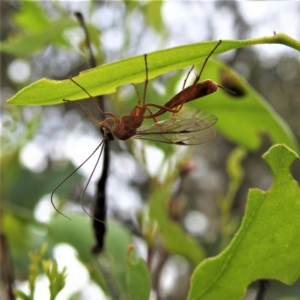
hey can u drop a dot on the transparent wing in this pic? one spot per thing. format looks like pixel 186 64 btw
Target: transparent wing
pixel 188 127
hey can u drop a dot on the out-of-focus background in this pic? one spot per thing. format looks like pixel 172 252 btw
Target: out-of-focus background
pixel 40 146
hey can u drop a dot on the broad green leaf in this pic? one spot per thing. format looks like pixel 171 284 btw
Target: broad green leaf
pixel 106 78
pixel 242 118
pixel 25 188
pixel 267 243
pixel 117 240
pixel 78 233
pixel 62 230
pixel 174 238
pixel 138 279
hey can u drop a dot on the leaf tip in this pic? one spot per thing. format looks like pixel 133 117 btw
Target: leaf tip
pixel 280 158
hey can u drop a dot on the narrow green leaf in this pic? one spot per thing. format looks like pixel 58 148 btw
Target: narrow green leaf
pixel 174 238
pixel 235 173
pixel 21 295
pixel 106 78
pixel 267 243
pixel 234 168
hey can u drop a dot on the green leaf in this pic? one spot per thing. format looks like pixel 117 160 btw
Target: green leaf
pixel 244 117
pixel 235 173
pixel 35 257
pixel 30 43
pixel 235 170
pixel 106 78
pixel 21 295
pixel 31 17
pixel 56 278
pixel 78 233
pixel 267 243
pixel 153 16
pixel 62 230
pixel 174 238
pixel 116 245
pixel 138 279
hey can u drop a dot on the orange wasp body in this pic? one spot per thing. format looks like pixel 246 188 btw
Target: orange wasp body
pixel 127 127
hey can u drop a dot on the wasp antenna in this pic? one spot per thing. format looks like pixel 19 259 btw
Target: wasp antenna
pixel 52 194
pixel 52 202
pixel 102 145
pixel 227 90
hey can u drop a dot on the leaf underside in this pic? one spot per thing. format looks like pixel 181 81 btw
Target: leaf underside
pixel 267 244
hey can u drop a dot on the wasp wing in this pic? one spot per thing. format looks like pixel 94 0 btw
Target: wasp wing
pixel 188 127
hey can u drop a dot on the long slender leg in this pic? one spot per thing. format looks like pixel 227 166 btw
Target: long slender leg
pixel 94 101
pixel 92 117
pixel 102 145
pixel 138 95
pixel 146 81
pixel 145 86
pixel 86 110
pixel 177 108
pixel 187 76
pixel 207 58
pixel 200 73
pixel 154 119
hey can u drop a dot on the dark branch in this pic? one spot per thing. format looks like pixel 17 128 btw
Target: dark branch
pixel 100 200
pixel 6 269
pixel 263 285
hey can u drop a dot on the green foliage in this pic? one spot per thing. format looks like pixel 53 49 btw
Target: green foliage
pixel 236 176
pixel 49 268
pixel 235 120
pixel 267 243
pixel 117 239
pixel 172 235
pixel 39 33
pixel 40 30
pixel 138 279
pixel 106 78
pixel 245 117
pixel 152 11
pixel 56 279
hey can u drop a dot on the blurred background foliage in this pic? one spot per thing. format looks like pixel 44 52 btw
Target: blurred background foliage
pixel 41 146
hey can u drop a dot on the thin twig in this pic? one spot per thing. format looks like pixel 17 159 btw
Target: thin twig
pixel 6 270
pixel 80 19
pixel 263 285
